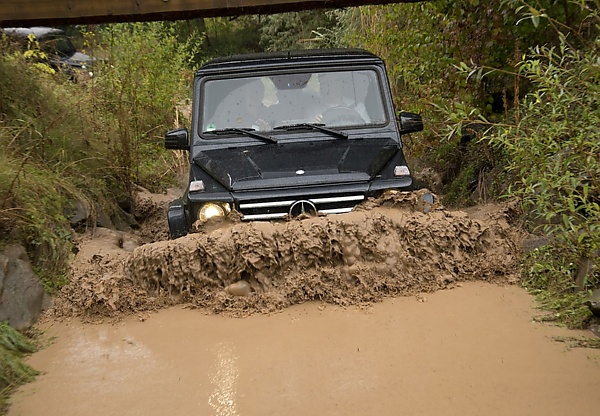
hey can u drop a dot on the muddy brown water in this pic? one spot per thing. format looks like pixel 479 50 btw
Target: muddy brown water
pixel 472 350
pixel 382 311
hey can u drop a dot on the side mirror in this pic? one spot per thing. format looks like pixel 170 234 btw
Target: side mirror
pixel 177 139
pixel 410 123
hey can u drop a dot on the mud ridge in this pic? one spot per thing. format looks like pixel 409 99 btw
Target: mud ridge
pixel 384 248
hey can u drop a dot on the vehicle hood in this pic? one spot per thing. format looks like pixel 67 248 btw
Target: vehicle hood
pixel 79 59
pixel 297 164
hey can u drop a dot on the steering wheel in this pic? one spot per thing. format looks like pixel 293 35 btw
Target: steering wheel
pixel 342 116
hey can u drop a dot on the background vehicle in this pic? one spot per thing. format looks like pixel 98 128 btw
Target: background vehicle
pixel 282 134
pixel 60 51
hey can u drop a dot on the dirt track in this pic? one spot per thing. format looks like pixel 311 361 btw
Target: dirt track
pixel 346 314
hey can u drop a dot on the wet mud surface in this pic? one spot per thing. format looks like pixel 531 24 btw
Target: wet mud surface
pixel 386 247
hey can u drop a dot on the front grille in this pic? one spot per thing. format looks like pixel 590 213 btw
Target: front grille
pixel 280 208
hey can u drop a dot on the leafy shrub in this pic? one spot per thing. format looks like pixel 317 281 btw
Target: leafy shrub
pixel 547 272
pixel 49 158
pixel 13 371
pixel 423 43
pixel 146 77
pixel 551 151
pixel 296 30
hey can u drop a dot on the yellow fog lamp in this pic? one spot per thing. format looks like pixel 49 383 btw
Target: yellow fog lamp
pixel 213 210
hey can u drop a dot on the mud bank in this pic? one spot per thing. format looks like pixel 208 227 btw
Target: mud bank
pixel 386 247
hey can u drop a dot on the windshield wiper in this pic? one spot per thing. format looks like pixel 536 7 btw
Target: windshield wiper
pixel 246 131
pixel 313 126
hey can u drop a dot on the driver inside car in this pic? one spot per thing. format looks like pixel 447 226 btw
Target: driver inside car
pixel 336 91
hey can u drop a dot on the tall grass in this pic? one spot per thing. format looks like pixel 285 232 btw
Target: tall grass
pixel 147 74
pixel 13 372
pixel 49 152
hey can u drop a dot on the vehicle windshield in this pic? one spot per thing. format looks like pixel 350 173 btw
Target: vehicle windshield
pixel 266 103
pixel 58 45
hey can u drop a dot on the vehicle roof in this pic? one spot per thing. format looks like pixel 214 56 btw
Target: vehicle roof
pixel 37 31
pixel 283 58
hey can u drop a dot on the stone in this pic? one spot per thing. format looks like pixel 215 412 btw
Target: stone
pixel 593 302
pixel 532 242
pixel 22 296
pixel 241 288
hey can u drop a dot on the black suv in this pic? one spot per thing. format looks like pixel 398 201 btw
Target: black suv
pixel 282 134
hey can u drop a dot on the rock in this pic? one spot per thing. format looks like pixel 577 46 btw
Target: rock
pixel 78 214
pixel 533 242
pixel 593 302
pixel 81 214
pixel 22 296
pixel 103 220
pixel 241 288
pixel 124 221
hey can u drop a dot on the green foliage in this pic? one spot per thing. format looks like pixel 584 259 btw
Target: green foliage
pixel 459 190
pixel 553 148
pixel 551 151
pixel 408 36
pixel 547 272
pixel 147 77
pixel 297 30
pixel 67 144
pixel 44 144
pixel 13 371
pixel 226 36
pixel 579 342
pixel 39 57
pixel 423 45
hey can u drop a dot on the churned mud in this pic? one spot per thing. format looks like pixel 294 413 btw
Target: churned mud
pixel 385 247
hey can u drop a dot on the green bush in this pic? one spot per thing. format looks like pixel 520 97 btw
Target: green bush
pixel 49 158
pixel 552 152
pixel 424 43
pixel 547 272
pixel 13 371
pixel 145 79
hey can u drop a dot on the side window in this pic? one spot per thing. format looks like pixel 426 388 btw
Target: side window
pixel 64 47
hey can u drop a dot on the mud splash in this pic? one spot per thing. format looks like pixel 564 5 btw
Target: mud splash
pixel 387 247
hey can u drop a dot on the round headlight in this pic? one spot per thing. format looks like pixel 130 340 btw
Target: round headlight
pixel 212 210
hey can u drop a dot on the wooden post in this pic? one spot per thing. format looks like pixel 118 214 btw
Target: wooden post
pixel 24 13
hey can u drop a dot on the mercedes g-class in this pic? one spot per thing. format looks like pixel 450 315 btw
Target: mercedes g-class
pixel 276 135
